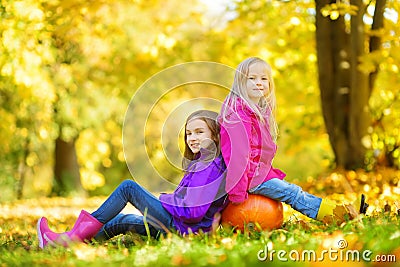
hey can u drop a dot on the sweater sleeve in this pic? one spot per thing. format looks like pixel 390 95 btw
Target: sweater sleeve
pixel 191 202
pixel 235 148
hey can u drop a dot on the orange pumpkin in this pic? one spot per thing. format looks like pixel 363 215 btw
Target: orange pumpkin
pixel 254 213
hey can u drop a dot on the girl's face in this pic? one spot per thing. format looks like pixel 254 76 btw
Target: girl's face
pixel 198 135
pixel 257 83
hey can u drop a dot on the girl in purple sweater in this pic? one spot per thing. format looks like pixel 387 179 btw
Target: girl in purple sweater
pixel 190 208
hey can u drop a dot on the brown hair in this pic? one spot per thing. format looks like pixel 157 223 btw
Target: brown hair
pixel 210 118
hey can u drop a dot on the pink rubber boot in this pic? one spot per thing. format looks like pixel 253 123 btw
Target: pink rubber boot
pixel 86 227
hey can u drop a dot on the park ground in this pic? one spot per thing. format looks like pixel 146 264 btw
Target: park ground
pixel 370 240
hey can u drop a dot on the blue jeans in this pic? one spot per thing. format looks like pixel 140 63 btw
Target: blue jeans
pixel 290 194
pixel 115 223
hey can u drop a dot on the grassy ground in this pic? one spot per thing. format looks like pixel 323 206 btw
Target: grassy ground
pixel 367 241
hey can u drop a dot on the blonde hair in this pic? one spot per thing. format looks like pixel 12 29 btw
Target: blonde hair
pixel 267 104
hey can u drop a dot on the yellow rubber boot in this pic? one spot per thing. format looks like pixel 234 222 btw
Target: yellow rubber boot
pixel 329 212
pixel 325 209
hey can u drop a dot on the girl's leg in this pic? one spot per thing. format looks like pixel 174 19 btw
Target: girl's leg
pixel 290 194
pixel 131 192
pixel 88 225
pixel 123 223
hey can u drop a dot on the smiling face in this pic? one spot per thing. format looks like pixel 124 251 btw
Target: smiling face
pixel 257 83
pixel 198 135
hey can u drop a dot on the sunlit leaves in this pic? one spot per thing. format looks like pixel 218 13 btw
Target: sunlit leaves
pixel 339 9
pixel 70 67
pixel 19 244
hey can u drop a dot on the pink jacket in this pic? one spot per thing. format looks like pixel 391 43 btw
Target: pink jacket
pixel 248 151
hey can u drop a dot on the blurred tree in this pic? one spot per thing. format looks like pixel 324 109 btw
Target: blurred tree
pixel 68 70
pixel 282 33
pixel 384 143
pixel 56 82
pixel 343 41
pixel 26 91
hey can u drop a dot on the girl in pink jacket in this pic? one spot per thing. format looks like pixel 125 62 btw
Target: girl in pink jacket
pixel 248 135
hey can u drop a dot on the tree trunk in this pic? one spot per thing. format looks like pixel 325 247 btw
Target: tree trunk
pixel 333 64
pixel 345 89
pixel 66 170
pixel 375 41
pixel 360 118
pixel 22 169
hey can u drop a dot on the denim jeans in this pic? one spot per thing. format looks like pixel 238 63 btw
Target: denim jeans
pixel 115 223
pixel 290 194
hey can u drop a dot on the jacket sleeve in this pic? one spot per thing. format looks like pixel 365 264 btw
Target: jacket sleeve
pixel 191 202
pixel 235 148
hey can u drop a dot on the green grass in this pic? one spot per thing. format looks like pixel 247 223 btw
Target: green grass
pixel 379 232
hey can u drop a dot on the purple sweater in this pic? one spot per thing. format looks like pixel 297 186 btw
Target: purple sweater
pixel 198 197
